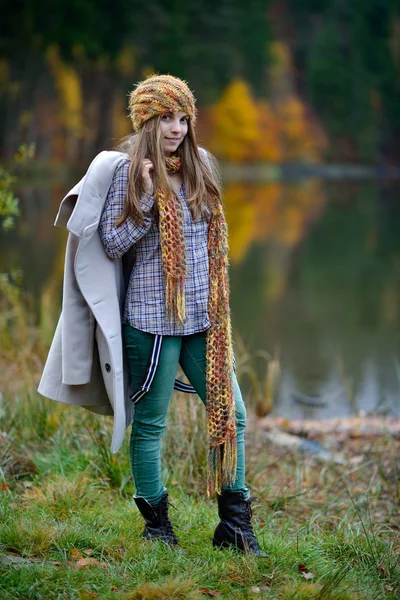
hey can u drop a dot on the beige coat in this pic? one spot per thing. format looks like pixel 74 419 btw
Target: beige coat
pixel 86 364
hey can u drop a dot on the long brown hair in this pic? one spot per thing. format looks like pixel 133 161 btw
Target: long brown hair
pixel 201 183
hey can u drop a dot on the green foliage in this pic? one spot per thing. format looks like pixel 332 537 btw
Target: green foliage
pixel 350 70
pixel 9 204
pixel 203 41
pixel 97 28
pixel 346 55
pixel 9 208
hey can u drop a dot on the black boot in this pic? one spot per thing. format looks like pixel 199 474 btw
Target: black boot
pixel 158 526
pixel 234 528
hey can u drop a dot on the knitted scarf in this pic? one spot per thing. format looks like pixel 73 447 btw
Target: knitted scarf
pixel 222 454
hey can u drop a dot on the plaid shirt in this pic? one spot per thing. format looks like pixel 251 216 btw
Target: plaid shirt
pixel 145 296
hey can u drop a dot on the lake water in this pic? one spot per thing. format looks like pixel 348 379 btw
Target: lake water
pixel 315 282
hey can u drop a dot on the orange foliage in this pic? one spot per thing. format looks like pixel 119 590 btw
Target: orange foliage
pixel 270 211
pixel 69 88
pixel 240 217
pixel 268 145
pixel 278 130
pixel 235 122
pixel 300 139
pixel 267 200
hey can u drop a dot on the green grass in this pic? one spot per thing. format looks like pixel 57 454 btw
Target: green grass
pixel 330 533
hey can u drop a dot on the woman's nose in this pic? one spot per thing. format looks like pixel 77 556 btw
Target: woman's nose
pixel 176 127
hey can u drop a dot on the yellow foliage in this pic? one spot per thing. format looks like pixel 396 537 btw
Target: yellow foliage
pixel 274 131
pixel 235 122
pixel 240 216
pixel 292 225
pixel 69 89
pixel 270 211
pixel 300 136
pixel 276 211
pixel 121 123
pixel 126 62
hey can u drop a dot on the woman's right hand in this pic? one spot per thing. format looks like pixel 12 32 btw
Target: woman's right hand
pixel 147 168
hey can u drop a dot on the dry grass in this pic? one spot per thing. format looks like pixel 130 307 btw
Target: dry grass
pixel 331 531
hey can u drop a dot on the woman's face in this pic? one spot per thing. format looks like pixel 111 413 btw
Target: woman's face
pixel 174 127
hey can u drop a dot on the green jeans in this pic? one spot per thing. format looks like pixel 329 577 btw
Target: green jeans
pixel 151 410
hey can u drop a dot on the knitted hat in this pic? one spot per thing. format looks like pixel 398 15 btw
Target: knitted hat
pixel 158 95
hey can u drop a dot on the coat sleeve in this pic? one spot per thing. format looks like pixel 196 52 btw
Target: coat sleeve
pixel 118 239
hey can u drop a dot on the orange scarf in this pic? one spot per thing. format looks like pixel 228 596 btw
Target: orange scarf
pixel 222 455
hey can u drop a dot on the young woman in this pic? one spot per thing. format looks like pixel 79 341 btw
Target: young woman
pixel 164 205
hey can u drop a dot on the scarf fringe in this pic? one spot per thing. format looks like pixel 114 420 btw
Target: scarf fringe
pixel 220 401
pixel 175 298
pixel 221 465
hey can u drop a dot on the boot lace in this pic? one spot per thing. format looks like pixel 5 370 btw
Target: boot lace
pixel 250 538
pixel 166 524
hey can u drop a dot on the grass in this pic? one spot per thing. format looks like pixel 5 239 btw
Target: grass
pixel 331 533
pixel 69 528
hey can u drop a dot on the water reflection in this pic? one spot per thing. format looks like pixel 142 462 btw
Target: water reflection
pixel 315 275
pixel 328 297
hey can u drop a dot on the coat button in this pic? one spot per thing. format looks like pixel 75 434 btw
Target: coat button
pixel 108 367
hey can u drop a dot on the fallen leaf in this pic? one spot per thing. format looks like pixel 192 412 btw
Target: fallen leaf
pixel 4 487
pixel 86 563
pixel 114 588
pixel 302 568
pixel 383 570
pixel 75 554
pixel 88 551
pixel 91 595
pixel 308 575
pixel 235 577
pixel 211 593
pixel 255 590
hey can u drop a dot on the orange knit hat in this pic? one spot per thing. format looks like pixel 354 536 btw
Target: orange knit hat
pixel 158 95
